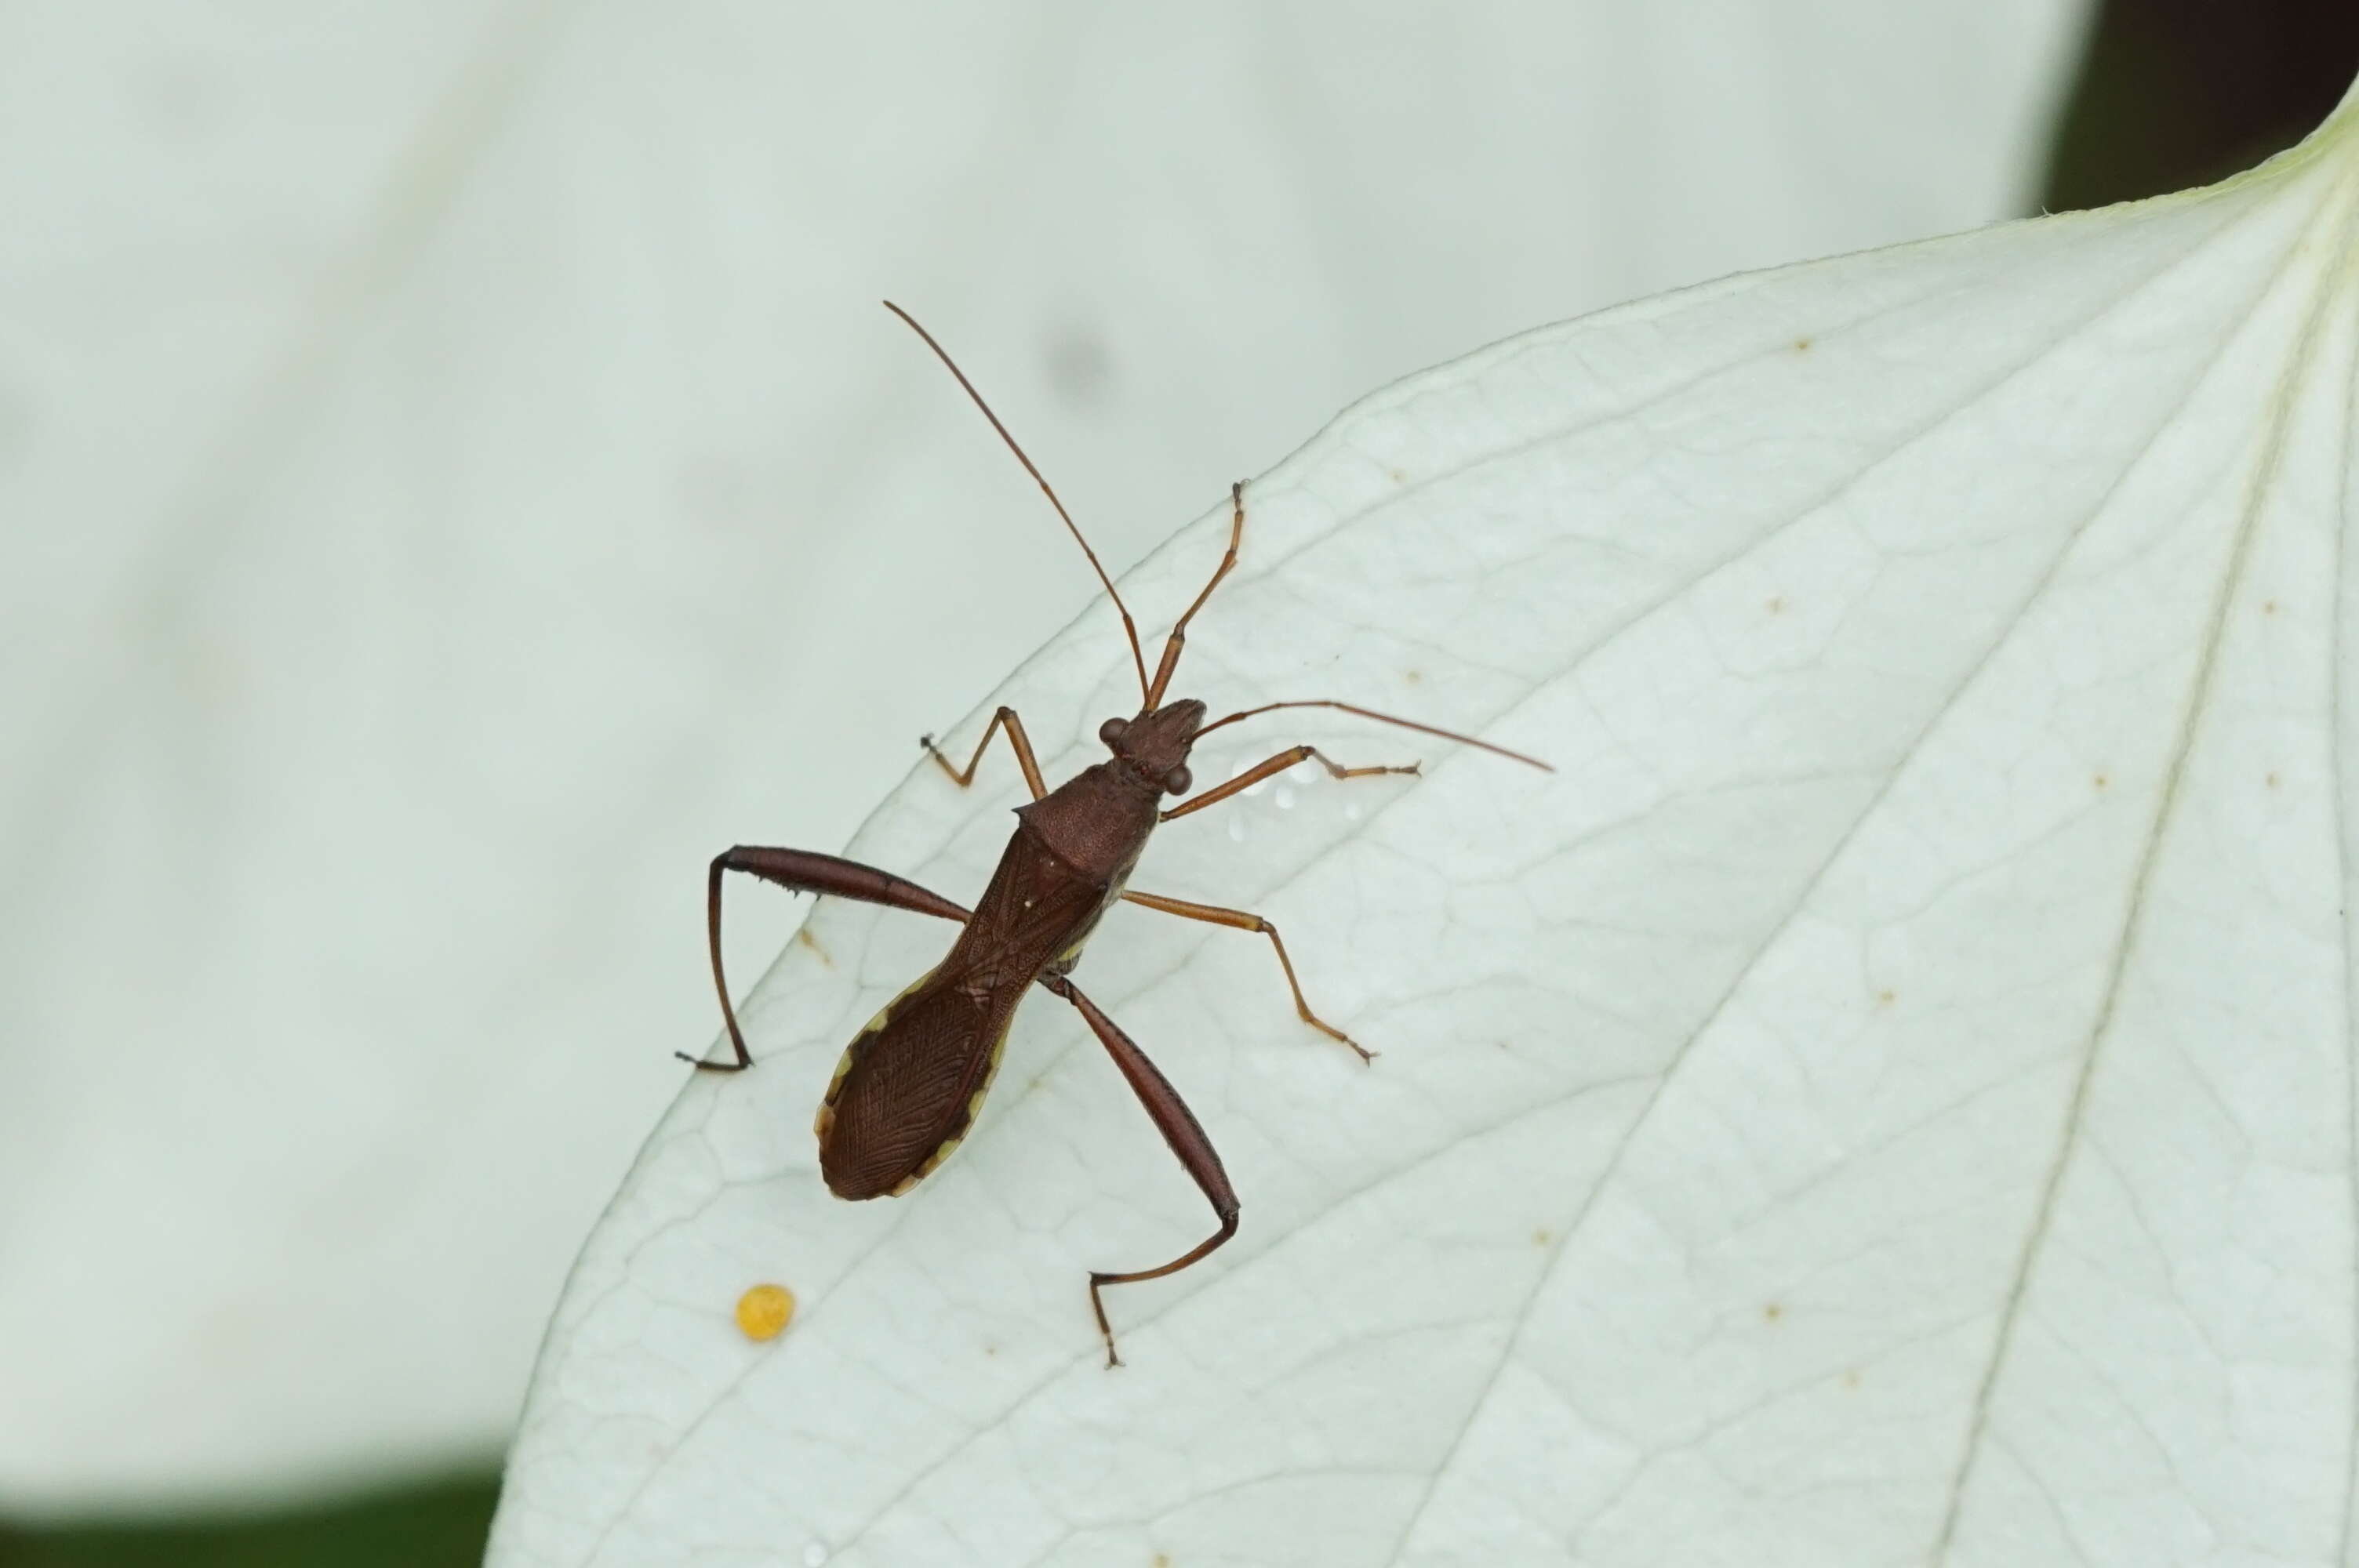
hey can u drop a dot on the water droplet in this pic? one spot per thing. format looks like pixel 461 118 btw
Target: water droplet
pixel 1286 797
pixel 1236 828
pixel 814 1555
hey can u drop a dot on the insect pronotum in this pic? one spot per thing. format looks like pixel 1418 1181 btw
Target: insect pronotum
pixel 910 1086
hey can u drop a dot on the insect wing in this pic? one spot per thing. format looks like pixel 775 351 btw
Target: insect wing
pixel 909 1086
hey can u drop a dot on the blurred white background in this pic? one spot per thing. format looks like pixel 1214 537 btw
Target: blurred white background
pixel 455 476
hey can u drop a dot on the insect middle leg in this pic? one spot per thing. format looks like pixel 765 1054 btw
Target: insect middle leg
pixel 1004 719
pixel 801 870
pixel 1240 920
pixel 1181 1130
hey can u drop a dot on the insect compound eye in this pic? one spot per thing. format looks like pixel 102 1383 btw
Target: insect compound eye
pixel 1178 781
pixel 1111 732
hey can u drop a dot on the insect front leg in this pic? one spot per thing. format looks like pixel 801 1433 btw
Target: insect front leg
pixel 1004 719
pixel 1178 637
pixel 801 870
pixel 1277 764
pixel 1240 920
pixel 1181 1130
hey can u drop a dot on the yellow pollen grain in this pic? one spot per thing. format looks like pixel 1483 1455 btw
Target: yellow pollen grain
pixel 763 1312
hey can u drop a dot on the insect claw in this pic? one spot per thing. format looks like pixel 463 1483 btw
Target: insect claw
pixel 1335 1034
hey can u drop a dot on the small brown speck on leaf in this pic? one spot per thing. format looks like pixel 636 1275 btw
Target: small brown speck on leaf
pixel 803 935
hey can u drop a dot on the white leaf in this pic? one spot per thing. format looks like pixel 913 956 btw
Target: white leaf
pixel 454 471
pixel 1886 1100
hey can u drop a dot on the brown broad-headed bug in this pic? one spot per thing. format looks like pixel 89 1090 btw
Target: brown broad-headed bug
pixel 909 1088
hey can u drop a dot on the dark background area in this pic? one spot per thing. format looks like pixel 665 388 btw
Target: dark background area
pixel 2171 93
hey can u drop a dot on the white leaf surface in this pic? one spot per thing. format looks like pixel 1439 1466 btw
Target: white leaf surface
pixel 453 474
pixel 1887 1100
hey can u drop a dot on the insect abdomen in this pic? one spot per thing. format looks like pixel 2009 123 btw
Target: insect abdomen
pixel 907 1088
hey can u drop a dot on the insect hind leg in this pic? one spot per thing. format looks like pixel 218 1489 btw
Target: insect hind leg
pixel 801 870
pixel 1181 1130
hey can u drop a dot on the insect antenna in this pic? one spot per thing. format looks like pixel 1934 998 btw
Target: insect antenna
pixel 1380 717
pixel 1129 627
